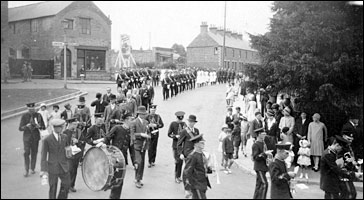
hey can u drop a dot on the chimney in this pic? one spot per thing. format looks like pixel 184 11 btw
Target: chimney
pixel 203 27
pixel 234 35
pixel 240 36
pixel 220 31
pixel 213 29
pixel 228 33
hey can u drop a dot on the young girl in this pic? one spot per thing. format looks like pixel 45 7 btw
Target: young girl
pixel 304 157
pixel 221 138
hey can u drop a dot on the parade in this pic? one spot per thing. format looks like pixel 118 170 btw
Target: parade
pixel 232 115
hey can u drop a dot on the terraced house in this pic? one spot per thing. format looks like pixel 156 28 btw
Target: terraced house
pixel 34 28
pixel 206 49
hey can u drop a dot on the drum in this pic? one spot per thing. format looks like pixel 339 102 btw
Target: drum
pixel 103 168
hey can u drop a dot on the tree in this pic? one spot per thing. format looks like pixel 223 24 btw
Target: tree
pixel 314 51
pixel 179 49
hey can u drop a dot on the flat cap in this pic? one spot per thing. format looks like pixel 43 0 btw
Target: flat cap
pixel 180 113
pixel 30 105
pixel 57 122
pixel 283 146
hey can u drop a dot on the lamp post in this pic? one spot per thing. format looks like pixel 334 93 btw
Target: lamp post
pixel 65 25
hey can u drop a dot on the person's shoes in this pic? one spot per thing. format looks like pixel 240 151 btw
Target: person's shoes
pixel 306 176
pixel 32 172
pixel 301 176
pixel 229 171
pixel 177 180
pixel 153 164
pixel 188 194
pixel 138 185
pixel 26 174
pixel 150 165
pixel 72 189
pixel 226 171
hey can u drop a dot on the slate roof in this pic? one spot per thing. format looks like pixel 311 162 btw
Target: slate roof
pixel 212 39
pixel 43 9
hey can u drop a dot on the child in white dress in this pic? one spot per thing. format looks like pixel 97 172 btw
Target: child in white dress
pixel 304 157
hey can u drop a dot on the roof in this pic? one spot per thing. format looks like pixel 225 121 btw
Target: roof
pixel 43 9
pixel 212 39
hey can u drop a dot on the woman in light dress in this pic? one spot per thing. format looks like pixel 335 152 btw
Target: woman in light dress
pixel 317 134
pixel 199 78
pixel 251 107
pixel 230 94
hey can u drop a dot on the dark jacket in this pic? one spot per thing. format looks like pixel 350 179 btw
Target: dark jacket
pixel 173 132
pixel 151 92
pixel 156 119
pixel 64 114
pixel 106 97
pixel 100 107
pixel 184 146
pixel 227 145
pixel 330 172
pixel 33 132
pixel 136 128
pixel 119 136
pixel 95 133
pixel 57 163
pixel 229 121
pixel 259 157
pixel 357 134
pixel 195 171
pixel 300 128
pixel 280 180
pixel 274 130
pixel 254 126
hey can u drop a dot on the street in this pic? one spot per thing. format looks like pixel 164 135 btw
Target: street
pixel 207 103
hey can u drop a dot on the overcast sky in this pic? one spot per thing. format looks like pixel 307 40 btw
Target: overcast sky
pixel 178 21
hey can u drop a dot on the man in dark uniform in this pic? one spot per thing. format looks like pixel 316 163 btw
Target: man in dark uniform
pixel 174 131
pixel 155 123
pixel 140 136
pixel 172 84
pixel 260 154
pixel 99 104
pixel 331 173
pixel 151 92
pixel 30 123
pixel 78 140
pixel 54 163
pixel 197 168
pixel 351 132
pixel 119 136
pixel 184 145
pixel 280 178
pixel 96 132
pixel 165 85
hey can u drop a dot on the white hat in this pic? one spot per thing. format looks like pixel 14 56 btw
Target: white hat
pixel 43 104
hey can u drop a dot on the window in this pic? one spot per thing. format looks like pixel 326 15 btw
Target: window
pixel 216 50
pixel 94 60
pixel 85 25
pixel 68 24
pixel 246 54
pixel 34 25
pixel 25 53
pixel 12 53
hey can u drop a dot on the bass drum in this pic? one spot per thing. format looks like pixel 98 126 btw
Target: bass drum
pixel 103 168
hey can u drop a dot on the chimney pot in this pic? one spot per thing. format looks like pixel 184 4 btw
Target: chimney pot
pixel 203 27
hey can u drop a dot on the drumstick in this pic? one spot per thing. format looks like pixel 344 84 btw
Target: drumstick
pixel 217 174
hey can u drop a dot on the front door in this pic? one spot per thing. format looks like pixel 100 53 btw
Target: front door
pixel 68 62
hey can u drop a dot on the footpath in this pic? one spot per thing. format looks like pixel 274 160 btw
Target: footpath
pixel 44 84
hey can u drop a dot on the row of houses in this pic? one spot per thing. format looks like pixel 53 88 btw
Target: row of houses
pixel 30 33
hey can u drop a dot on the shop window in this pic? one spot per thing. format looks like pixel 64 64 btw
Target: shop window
pixel 93 60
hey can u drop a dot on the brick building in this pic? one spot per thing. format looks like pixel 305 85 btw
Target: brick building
pixel 158 55
pixel 4 32
pixel 34 27
pixel 205 50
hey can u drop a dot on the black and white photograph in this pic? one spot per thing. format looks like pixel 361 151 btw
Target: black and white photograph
pixel 182 99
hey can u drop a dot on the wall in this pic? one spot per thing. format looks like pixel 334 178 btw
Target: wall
pixel 203 57
pixel 4 32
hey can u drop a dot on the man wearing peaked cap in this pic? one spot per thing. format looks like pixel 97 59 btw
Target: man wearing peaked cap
pixel 331 173
pixel 54 162
pixel 155 123
pixel 174 131
pixel 280 186
pixel 30 123
pixel 196 169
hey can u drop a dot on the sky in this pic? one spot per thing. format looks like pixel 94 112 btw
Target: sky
pixel 179 21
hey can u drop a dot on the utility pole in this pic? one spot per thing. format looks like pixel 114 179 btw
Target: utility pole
pixel 223 48
pixel 64 61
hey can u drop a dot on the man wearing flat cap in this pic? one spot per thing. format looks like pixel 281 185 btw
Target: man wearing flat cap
pixel 75 138
pixel 30 123
pixel 140 136
pixel 174 132
pixel 331 173
pixel 84 115
pixel 155 123
pixel 54 162
pixel 280 187
pixel 196 169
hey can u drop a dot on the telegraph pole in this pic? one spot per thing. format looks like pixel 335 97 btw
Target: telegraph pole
pixel 223 48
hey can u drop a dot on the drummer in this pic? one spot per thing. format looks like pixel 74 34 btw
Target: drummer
pixel 119 136
pixel 97 131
